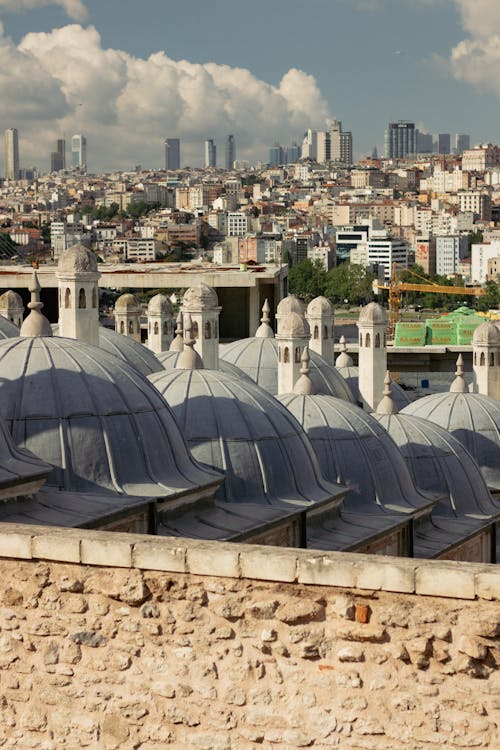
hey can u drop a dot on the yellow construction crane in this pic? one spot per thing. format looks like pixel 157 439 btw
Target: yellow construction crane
pixel 396 288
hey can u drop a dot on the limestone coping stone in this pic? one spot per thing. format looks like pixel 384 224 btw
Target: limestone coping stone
pixel 439 578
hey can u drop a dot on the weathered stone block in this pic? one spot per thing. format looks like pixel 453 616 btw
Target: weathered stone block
pixel 168 554
pixel 213 559
pixel 488 584
pixel 107 550
pixel 396 575
pixel 268 563
pixel 333 569
pixel 16 540
pixel 62 545
pixel 446 580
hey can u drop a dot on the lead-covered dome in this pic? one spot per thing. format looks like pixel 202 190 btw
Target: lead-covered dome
pixel 77 258
pixel 354 450
pixel 471 418
pixel 234 425
pixel 199 297
pixel 440 464
pixel 99 422
pixel 258 358
pixel 168 360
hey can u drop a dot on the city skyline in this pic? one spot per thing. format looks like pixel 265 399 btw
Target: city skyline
pixel 126 91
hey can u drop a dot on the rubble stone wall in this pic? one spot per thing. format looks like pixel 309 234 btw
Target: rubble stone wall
pixel 114 640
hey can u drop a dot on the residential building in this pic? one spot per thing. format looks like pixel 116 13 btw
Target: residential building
pixel 79 151
pixel 450 250
pixel 481 253
pixel 230 152
pixel 425 254
pixel 477 201
pixel 210 154
pixel 11 154
pixel 141 248
pixel 480 158
pixel 323 147
pixel 172 154
pixel 237 224
pixel 400 140
pixel 340 144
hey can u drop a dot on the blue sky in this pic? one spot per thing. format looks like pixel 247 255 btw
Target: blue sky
pixel 95 67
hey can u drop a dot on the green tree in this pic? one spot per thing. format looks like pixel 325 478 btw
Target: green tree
pixel 350 281
pixel 307 279
pixel 491 299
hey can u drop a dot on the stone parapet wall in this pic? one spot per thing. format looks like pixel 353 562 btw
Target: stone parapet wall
pixel 126 641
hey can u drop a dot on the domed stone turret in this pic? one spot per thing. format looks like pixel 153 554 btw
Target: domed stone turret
pixel 372 326
pixel 486 350
pixel 319 315
pixel 293 335
pixel 12 307
pixel 201 303
pixel 78 277
pixel 127 314
pixel 161 323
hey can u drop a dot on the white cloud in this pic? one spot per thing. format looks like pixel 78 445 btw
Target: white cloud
pixel 74 8
pixel 127 105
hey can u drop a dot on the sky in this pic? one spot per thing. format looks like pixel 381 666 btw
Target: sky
pixel 128 74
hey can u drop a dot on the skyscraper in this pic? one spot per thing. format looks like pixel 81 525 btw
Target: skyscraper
pixel 79 151
pixel 172 154
pixel 462 142
pixel 58 157
pixel 11 154
pixel 443 143
pixel 210 153
pixel 400 140
pixel 230 152
pixel 340 143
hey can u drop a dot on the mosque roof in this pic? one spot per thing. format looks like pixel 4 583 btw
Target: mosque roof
pixel 258 358
pixel 98 421
pixel 234 425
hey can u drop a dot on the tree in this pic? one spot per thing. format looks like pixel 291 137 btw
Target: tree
pixel 307 279
pixel 350 281
pixel 491 299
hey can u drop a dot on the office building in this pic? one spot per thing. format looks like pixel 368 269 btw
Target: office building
pixel 11 154
pixel 462 142
pixel 400 140
pixel 172 154
pixel 443 143
pixel 210 153
pixel 450 250
pixel 323 147
pixel 79 151
pixel 292 153
pixel 310 145
pixel 340 144
pixel 276 155
pixel 58 157
pixel 230 152
pixel 423 142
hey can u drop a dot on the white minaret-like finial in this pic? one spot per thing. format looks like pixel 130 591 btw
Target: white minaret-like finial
pixel 293 334
pixel 127 314
pixel 343 360
pixel 36 324
pixel 188 359
pixel 320 317
pixel 264 331
pixel 160 323
pixel 459 385
pixel 485 360
pixel 386 405
pixel 201 302
pixel 78 276
pixel 372 326
pixel 177 344
pixel 304 386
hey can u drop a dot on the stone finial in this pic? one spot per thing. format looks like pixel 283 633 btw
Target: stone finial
pixel 188 359
pixel 459 385
pixel 177 344
pixel 304 386
pixel 264 331
pixel 36 324
pixel 386 405
pixel 344 359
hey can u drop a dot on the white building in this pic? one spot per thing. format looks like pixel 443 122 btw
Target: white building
pixel 385 251
pixel 477 201
pixel 139 248
pixel 450 251
pixel 237 224
pixel 480 254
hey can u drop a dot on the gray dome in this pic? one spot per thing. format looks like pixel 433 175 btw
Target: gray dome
pixel 127 303
pixel 160 305
pixel 235 426
pixel 258 358
pixel 199 297
pixel 487 334
pixel 169 359
pixel 354 450
pixel 99 422
pixel 290 304
pixel 77 258
pixel 126 349
pixel 10 299
pixel 351 376
pixel 373 313
pixel 319 307
pixel 440 464
pixel 471 418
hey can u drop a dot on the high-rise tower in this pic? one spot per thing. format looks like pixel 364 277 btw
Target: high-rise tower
pixel 58 157
pixel 172 154
pixel 230 152
pixel 79 151
pixel 400 140
pixel 11 154
pixel 210 153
